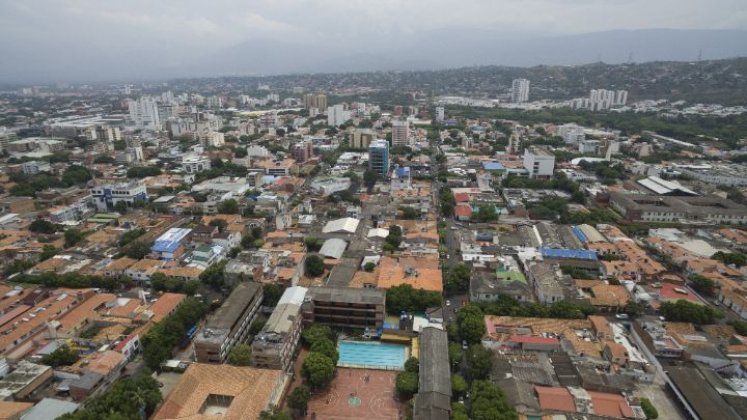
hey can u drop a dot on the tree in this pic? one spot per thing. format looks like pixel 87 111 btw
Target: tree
pixel 314 266
pixel 72 237
pixel 486 213
pixel 369 178
pixel 229 206
pixel 299 398
pixel 271 293
pixel 317 332
pixel 406 298
pixel 257 326
pixel 62 356
pixel 48 251
pixel 215 275
pixel 412 365
pixel 318 370
pixel 131 235
pixel 455 353
pixel 458 384
pixel 448 202
pixel 685 311
pixel 736 258
pixel 327 348
pixel 409 213
pixel 471 323
pixel 122 401
pixel 479 362
pixel 489 403
pixel 274 414
pixel 648 409
pixel 703 284
pixel 138 250
pixel 312 244
pixel 241 355
pixel 120 207
pixel 406 384
pixel 634 308
pixel 459 411
pixel 219 223
pixel 457 278
pixel 42 226
pixel 369 267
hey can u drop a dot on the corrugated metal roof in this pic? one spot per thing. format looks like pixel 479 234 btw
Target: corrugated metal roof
pixel 169 241
pixel 333 248
pixel 579 254
pixel 346 224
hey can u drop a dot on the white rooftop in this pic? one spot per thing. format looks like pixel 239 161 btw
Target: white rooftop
pixel 346 225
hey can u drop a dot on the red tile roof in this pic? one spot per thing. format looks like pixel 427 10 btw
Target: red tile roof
pixel 555 398
pixel 463 210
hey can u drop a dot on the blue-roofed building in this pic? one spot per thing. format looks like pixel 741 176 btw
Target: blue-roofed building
pixel 580 259
pixel 580 234
pixel 576 254
pixel 493 166
pixel 171 244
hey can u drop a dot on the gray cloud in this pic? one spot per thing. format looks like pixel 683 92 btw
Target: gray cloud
pixel 61 33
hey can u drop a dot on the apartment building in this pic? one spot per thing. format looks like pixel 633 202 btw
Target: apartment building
pixel 229 325
pixel 273 347
pixel 345 307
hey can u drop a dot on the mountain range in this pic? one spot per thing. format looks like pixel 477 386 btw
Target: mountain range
pixel 439 49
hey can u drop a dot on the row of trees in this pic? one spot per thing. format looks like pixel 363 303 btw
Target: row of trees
pixel 507 306
pixel 406 298
pixel 318 369
pixel 160 341
pixel 74 280
pixel 127 399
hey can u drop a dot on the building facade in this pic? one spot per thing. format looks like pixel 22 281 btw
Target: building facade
pixel 520 91
pixel 274 346
pixel 378 157
pixel 345 307
pixel 106 197
pixel 229 325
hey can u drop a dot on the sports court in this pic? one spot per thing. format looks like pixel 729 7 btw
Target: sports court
pixel 357 394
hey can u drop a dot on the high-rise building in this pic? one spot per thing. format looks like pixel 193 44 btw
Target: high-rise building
pixel 539 162
pixel 303 151
pixel 337 115
pixel 520 91
pixel 440 113
pixel 362 137
pixel 144 113
pixel 229 325
pixel 378 157
pixel 571 133
pixel 621 97
pixel 318 101
pixel 400 133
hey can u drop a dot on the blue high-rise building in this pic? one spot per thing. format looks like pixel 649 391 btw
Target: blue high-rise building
pixel 378 157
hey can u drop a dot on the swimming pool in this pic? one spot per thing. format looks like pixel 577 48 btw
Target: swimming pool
pixel 372 355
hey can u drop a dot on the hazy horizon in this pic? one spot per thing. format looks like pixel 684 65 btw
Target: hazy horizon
pixel 78 40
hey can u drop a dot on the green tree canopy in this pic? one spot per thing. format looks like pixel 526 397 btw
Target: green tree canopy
pixel 317 332
pixel 318 370
pixel 471 323
pixel 241 355
pixel 406 384
pixel 314 265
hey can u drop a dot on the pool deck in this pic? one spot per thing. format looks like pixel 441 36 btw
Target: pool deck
pixel 377 396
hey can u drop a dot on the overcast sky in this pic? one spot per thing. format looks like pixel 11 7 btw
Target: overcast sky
pixel 33 28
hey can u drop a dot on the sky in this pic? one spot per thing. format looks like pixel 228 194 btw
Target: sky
pixel 63 34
